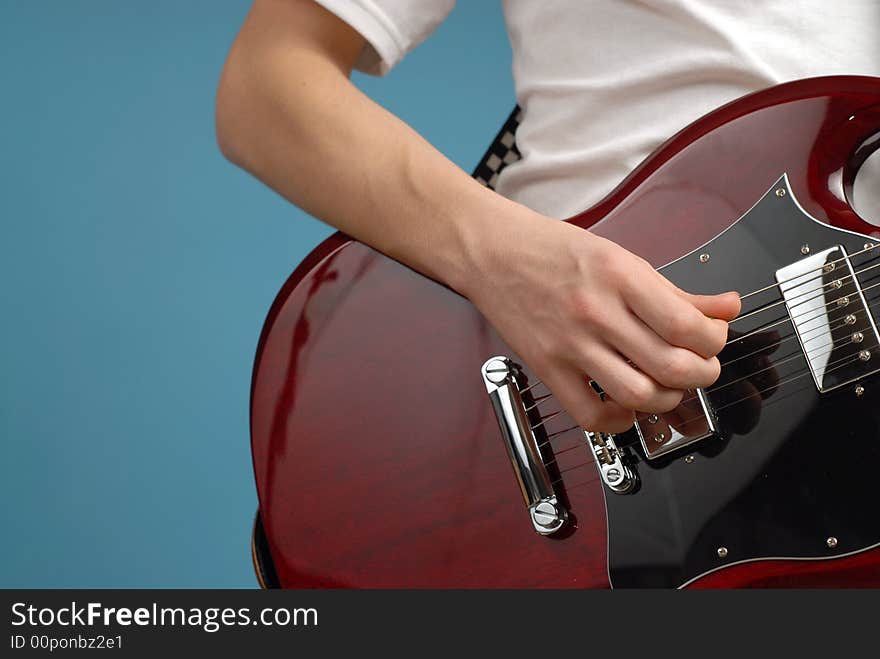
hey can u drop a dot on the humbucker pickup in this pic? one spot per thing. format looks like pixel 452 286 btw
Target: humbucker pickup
pixel 692 421
pixel 835 328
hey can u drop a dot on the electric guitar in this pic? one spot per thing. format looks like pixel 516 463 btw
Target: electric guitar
pixel 398 442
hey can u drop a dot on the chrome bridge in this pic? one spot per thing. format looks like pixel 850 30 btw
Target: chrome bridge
pixel 832 320
pixel 615 473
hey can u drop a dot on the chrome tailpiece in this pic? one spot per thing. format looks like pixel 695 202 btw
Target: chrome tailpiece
pixel 501 377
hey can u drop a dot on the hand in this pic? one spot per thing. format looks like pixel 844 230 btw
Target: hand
pixel 575 306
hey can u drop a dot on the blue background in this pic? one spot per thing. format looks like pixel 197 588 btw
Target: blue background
pixel 137 267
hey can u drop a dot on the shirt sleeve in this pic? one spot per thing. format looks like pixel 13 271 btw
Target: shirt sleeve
pixel 391 28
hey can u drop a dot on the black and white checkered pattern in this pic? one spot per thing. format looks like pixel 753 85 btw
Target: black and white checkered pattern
pixel 501 153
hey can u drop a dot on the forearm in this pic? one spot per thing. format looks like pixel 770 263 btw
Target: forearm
pixel 569 303
pixel 289 114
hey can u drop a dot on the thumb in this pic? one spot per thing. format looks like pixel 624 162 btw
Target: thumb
pixel 725 306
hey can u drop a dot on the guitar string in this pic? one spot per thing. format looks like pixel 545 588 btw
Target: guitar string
pixel 800 352
pixel 788 337
pixel 787 317
pixel 852 358
pixel 784 319
pixel 593 462
pixel 868 247
pixel 804 352
pixel 790 358
pixel 835 283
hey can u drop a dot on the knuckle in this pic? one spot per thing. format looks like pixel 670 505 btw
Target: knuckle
pixel 583 307
pixel 678 368
pixel 618 267
pixel 681 327
pixel 638 392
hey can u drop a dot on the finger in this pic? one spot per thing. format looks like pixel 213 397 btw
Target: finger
pixel 670 366
pixel 628 386
pixel 724 307
pixel 675 319
pixel 590 412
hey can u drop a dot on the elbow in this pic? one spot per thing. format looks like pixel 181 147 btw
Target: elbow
pixel 229 109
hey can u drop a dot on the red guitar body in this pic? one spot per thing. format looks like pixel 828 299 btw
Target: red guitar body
pixel 377 455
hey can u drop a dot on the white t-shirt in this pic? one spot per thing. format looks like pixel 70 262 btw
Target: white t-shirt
pixel 604 82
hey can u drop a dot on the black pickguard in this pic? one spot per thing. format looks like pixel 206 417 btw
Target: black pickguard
pixel 789 468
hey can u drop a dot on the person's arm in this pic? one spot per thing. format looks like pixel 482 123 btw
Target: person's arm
pixel 568 302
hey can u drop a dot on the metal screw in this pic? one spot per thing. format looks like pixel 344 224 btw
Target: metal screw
pixel 837 283
pixel 865 355
pixel 496 371
pixel 660 437
pixel 842 301
pixel 722 552
pixel 704 258
pixel 805 249
pixel 831 542
pixel 869 246
pixel 546 514
pixel 653 418
pixel 850 319
pixel 780 192
pixel 828 267
pixel 860 390
pixel 689 459
pixel 858 337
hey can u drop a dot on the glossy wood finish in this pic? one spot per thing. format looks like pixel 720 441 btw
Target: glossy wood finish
pixel 376 453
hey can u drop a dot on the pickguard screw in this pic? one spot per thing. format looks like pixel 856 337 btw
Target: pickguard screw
pixel 780 192
pixel 722 552
pixel 805 249
pixel 660 437
pixel 653 418
pixel 865 355
pixel 858 337
pixel 689 459
pixel 831 542
pixel 837 283
pixel 704 258
pixel 828 267
pixel 860 390
pixel 850 319
pixel 842 301
pixel 869 246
